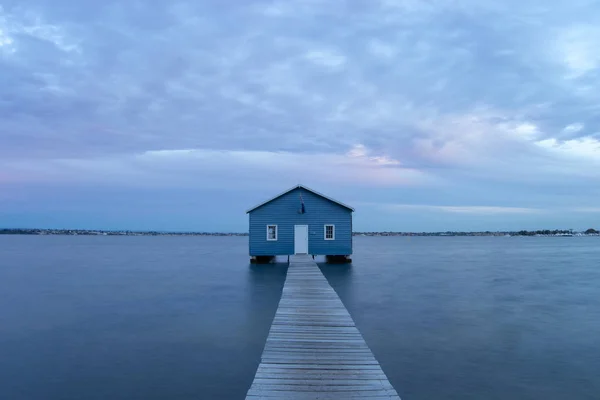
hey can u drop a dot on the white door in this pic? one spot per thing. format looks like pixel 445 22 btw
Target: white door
pixel 300 239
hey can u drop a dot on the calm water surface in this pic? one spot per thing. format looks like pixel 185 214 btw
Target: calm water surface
pixel 479 318
pixel 187 318
pixel 131 317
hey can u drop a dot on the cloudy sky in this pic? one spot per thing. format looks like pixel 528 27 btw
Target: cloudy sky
pixel 424 115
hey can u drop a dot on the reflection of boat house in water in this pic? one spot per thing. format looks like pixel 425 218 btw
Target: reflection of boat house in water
pixel 300 221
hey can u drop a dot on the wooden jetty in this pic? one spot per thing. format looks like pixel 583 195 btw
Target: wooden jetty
pixel 314 350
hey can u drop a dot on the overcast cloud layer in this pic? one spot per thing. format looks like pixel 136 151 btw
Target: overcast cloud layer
pixel 423 115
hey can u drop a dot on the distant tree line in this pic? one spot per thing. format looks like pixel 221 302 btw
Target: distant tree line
pixel 19 232
pixel 590 231
pixel 544 232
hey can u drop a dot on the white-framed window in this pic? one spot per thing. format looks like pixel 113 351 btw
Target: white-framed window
pixel 271 232
pixel 329 232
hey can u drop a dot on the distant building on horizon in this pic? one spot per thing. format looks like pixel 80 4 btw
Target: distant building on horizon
pixel 300 221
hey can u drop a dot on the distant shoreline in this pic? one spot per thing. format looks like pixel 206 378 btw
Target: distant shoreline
pixel 96 232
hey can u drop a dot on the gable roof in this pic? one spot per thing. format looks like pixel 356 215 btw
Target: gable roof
pixel 300 187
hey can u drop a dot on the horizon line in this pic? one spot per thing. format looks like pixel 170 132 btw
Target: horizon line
pixel 239 232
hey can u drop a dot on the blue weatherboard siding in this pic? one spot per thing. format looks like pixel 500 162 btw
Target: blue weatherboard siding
pixel 284 212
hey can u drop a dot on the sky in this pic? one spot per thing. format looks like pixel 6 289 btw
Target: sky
pixel 424 115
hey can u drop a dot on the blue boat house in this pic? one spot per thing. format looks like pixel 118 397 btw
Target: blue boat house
pixel 300 221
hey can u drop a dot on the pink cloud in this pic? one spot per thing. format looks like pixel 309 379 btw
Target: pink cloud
pixel 192 167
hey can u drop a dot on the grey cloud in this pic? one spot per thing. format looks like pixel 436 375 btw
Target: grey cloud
pixel 155 75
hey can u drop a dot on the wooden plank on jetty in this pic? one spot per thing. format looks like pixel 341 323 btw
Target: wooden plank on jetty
pixel 314 350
